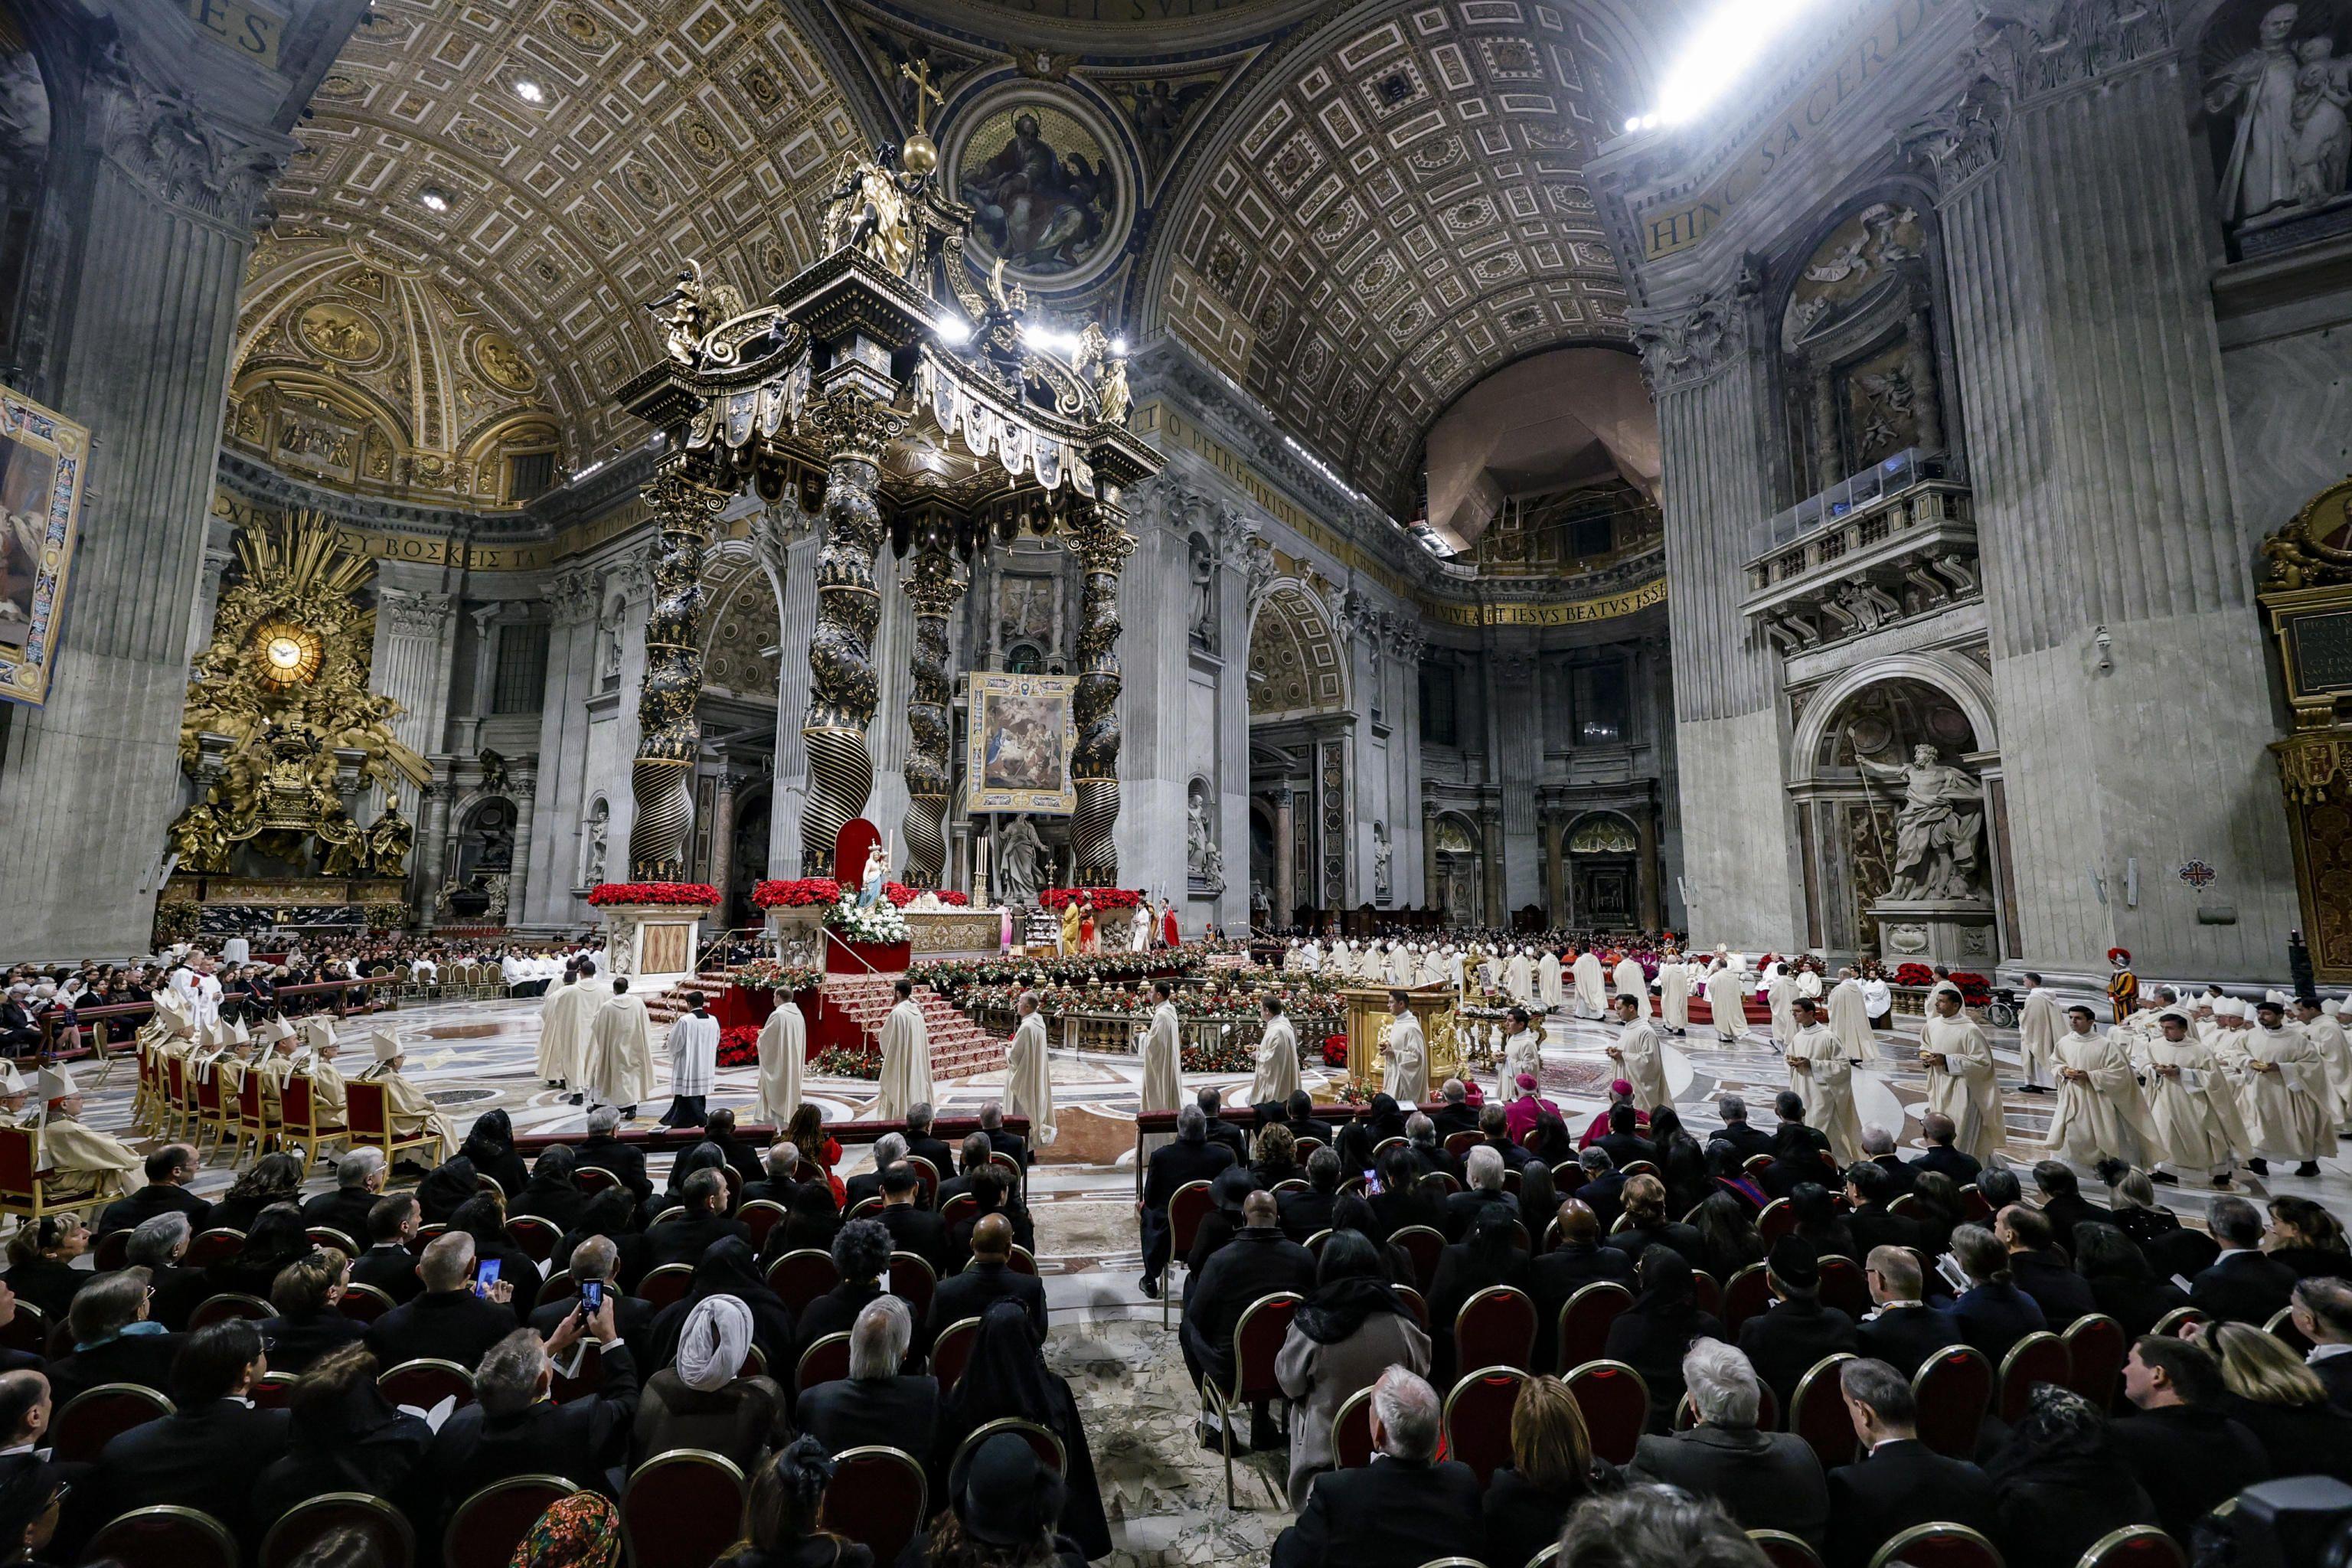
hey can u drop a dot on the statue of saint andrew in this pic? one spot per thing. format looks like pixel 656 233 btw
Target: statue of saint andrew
pixel 1936 829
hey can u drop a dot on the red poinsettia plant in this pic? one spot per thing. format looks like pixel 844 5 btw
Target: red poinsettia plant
pixel 1975 989
pixel 1102 898
pixel 796 893
pixel 738 1046
pixel 1914 974
pixel 1335 1051
pixel 685 893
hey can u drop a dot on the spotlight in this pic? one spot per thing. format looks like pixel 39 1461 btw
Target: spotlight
pixel 953 329
pixel 433 198
pixel 529 91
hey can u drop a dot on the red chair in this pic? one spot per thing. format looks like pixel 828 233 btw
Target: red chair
pixel 1778 1220
pixel 1747 1293
pixel 210 1247
pixel 960 1207
pixel 825 1361
pixel 1975 1208
pixel 913 1281
pixel 682 1510
pixel 878 1496
pixel 1783 1549
pixel 1496 1327
pixel 592 1179
pixel 228 1306
pixel 270 1393
pixel 305 1524
pixel 2135 1546
pixel 1415 1303
pixel 801 1276
pixel 1584 1321
pixel 87 1421
pixel 113 1252
pixel 328 1236
pixel 666 1285
pixel 2176 1321
pixel 1351 1430
pixel 1845 1287
pixel 1709 1293
pixel 927 1178
pixel 539 1239
pixel 2096 1347
pixel 1257 1340
pixel 1616 1405
pixel 2035 1358
pixel 1440 1184
pixel 1756 1164
pixel 1422 1245
pixel 1460 1143
pixel 485 1530
pixel 759 1217
pixel 554 1288
pixel 2281 1327
pixel 425 1382
pixel 951 1351
pixel 164 1536
pixel 1188 1206
pixel 1478 1418
pixel 1020 1261
pixel 1938 1545
pixel 1817 1415
pixel 1953 1389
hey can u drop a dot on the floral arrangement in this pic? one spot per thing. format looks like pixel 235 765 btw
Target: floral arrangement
pixel 949 975
pixel 1975 989
pixel 767 975
pixel 738 1046
pixel 1102 898
pixel 797 893
pixel 953 898
pixel 1348 1094
pixel 1335 1051
pixel 879 924
pixel 838 1062
pixel 701 894
pixel 1231 1054
pixel 1912 975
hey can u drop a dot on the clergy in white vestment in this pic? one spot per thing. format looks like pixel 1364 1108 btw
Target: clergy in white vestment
pixel 1961 1081
pixel 1673 996
pixel 316 1061
pixel 1591 986
pixel 409 1109
pixel 2286 1090
pixel 1549 989
pixel 1437 967
pixel 618 1069
pixel 1781 995
pixel 1822 1077
pixel 1639 1057
pixel 2192 1104
pixel 1029 1072
pixel 1490 971
pixel 2327 1037
pixel 1726 999
pixel 1877 999
pixel 1406 1082
pixel 1522 1054
pixel 1850 1020
pixel 79 1160
pixel 2099 1111
pixel 1519 978
pixel 1294 958
pixel 693 1063
pixel 2039 1026
pixel 1278 1056
pixel 1139 927
pixel 1628 980
pixel 563 1020
pixel 1401 965
pixel 1163 1062
pixel 906 1057
pixel 1809 981
pixel 783 1051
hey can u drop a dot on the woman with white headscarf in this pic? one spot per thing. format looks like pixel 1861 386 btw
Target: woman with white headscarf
pixel 705 1401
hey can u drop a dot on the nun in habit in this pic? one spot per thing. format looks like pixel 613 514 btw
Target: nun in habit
pixel 1029 1072
pixel 783 1050
pixel 1277 1056
pixel 693 1063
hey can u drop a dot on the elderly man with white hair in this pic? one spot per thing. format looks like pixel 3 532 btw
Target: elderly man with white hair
pixel 1767 1481
pixel 1407 1507
pixel 1725 1002
pixel 1482 1169
pixel 876 1403
pixel 531 1431
pixel 1029 1071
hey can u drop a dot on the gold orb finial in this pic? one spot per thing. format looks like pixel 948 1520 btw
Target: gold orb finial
pixel 919 155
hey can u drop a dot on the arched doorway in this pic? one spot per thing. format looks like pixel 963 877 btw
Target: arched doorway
pixel 1604 871
pixel 1460 857
pixel 1300 754
pixel 747 857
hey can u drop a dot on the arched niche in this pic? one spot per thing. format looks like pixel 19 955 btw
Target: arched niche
pixel 596 844
pixel 1458 851
pixel 1296 667
pixel 741 625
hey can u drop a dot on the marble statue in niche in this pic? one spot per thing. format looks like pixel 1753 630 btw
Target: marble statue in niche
pixel 1384 863
pixel 2281 104
pixel 1205 863
pixel 594 836
pixel 1938 827
pixel 1202 569
pixel 1018 864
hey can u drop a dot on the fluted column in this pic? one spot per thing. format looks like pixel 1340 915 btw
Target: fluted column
pixel 1099 535
pixel 842 691
pixel 530 852
pixel 432 859
pixel 670 735
pixel 932 585
pixel 410 663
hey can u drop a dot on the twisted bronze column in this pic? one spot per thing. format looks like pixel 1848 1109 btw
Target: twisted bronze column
pixel 932 585
pixel 842 693
pixel 1099 534
pixel 668 733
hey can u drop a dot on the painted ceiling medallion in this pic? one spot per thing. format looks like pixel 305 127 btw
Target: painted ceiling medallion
pixel 343 335
pixel 1049 194
pixel 498 360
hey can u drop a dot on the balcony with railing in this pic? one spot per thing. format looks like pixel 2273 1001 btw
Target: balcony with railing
pixel 1893 542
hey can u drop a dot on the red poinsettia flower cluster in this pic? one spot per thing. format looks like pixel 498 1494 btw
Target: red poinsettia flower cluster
pixel 1914 974
pixel 1335 1051
pixel 1104 897
pixel 738 1046
pixel 700 893
pixel 954 899
pixel 796 893
pixel 1974 987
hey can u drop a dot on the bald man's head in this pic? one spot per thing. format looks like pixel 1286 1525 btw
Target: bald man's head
pixel 1258 1210
pixel 993 1237
pixel 448 1261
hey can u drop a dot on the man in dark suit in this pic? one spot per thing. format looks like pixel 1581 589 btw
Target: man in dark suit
pixel 445 1321
pixel 923 1143
pixel 1485 1169
pixel 2323 1312
pixel 2245 1285
pixel 359 1182
pixel 388 1263
pixel 169 1170
pixel 1603 1191
pixel 1787 1341
pixel 1429 1156
pixel 205 1453
pixel 1405 1509
pixel 1303 1213
pixel 26 1408
pixel 1623 1140
pixel 1869 1189
pixel 779 1176
pixel 1002 1138
pixel 1878 1148
pixel 1938 1131
pixel 1258 1261
pixel 1579 1260
pixel 684 1238
pixel 876 1403
pixel 1298 1115
pixel 1766 1480
pixel 514 1429
pixel 1401 1200
pixel 1900 1481
pixel 1495 1133
pixel 1905 1331
pixel 1745 1140
pixel 159 1246
pixel 1218 1129
pixel 2062 1202
pixel 971 1159
pixel 888 1150
pixel 1190 1158
pixel 913 1227
pixel 989 1278
pixel 114 1340
pixel 607 1153
pixel 1454 1112
pixel 2182 1445
pixel 2037 1268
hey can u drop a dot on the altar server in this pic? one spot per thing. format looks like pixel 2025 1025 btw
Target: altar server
pixel 1726 999
pixel 1278 1056
pixel 1781 995
pixel 1591 984
pixel 1628 980
pixel 1639 1055
pixel 1961 1081
pixel 618 1069
pixel 2192 1104
pixel 405 1106
pixel 1029 1072
pixel 1522 1055
pixel 563 1022
pixel 1407 1078
pixel 2099 1111
pixel 906 1057
pixel 2039 1027
pixel 1822 1077
pixel 2285 1089
pixel 783 1049
pixel 693 1063
pixel 1850 1020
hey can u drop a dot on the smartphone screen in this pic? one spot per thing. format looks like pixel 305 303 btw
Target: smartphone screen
pixel 592 1295
pixel 485 1276
pixel 1372 1184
